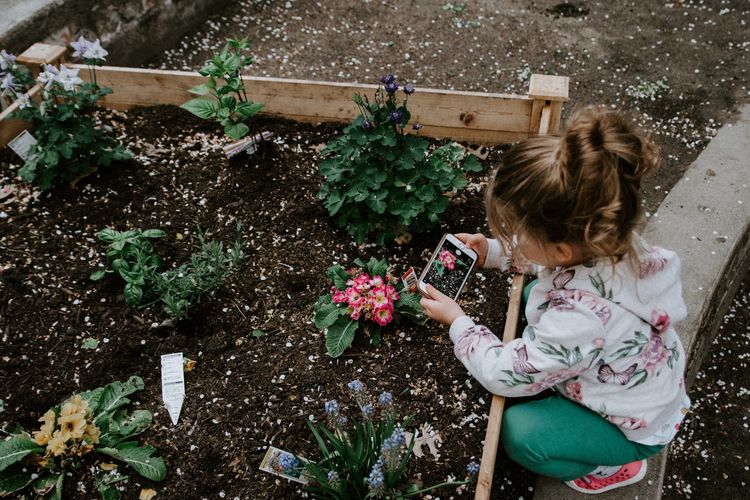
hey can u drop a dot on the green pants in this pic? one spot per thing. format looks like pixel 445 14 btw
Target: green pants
pixel 558 438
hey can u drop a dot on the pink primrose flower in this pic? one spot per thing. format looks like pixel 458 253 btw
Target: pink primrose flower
pixel 376 281
pixel 338 297
pixel 379 297
pixel 352 295
pixel 383 315
pixel 447 259
pixel 391 292
pixel 362 282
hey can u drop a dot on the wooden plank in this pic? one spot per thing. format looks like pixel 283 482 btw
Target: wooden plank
pixel 467 116
pixel 549 87
pixel 11 127
pixel 492 436
pixel 41 53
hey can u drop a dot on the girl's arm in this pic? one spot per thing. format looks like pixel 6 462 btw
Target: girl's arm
pixel 564 344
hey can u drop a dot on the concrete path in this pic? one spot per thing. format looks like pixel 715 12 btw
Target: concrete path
pixel 706 220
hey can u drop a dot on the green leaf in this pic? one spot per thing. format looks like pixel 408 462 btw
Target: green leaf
pixel 327 315
pixel 202 108
pixel 139 458
pixel 339 276
pixel 15 448
pixel 44 484
pixel 236 131
pixel 154 233
pixel 98 274
pixel 114 396
pixel 90 343
pixel 257 333
pixel 249 109
pixel 340 335
pixel 202 89
pixel 133 294
pixel 377 267
pixel 14 479
pixel 408 303
pixel 125 425
pixel 471 164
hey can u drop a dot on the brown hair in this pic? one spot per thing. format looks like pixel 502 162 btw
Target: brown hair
pixel 579 187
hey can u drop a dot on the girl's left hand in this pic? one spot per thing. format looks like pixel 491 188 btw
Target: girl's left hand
pixel 440 307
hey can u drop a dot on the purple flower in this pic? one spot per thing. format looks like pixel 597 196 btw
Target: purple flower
pixel 472 468
pixel 332 408
pixel 376 479
pixel 396 116
pixel 80 46
pixel 367 124
pixel 6 60
pixel 386 79
pixel 409 89
pixel 7 85
pixel 391 87
pixel 416 126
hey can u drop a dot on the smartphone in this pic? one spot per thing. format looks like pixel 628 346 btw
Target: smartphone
pixel 448 268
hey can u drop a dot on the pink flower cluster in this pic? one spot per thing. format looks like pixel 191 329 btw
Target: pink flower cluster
pixel 372 297
pixel 447 259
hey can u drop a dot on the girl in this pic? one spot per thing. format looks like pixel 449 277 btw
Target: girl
pixel 599 317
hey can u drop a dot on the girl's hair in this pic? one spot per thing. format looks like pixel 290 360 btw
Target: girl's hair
pixel 579 187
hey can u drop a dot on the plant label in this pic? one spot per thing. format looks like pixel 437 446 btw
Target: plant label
pixel 409 279
pixel 272 464
pixel 22 144
pixel 249 145
pixel 172 384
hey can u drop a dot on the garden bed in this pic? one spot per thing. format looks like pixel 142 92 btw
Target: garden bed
pixel 262 369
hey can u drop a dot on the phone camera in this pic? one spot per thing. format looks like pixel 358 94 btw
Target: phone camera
pixel 458 252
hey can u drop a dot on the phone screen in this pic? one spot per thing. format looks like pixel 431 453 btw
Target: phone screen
pixel 449 269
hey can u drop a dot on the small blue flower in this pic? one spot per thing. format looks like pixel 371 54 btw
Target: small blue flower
pixel 367 125
pixel 391 87
pixel 472 468
pixel 376 479
pixel 396 116
pixel 333 478
pixel 385 399
pixel 409 89
pixel 288 462
pixel 416 126
pixel 356 386
pixel 332 408
pixel 342 420
pixel 368 410
pixel 386 79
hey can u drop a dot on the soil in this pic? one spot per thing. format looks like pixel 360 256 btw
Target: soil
pixel 247 391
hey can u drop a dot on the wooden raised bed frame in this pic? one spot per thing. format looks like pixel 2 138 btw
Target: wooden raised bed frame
pixel 472 117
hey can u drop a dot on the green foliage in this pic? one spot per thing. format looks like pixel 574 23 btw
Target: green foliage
pixel 645 90
pixel 131 255
pixel 103 411
pixel 339 315
pixel 69 142
pixel 380 181
pixel 228 104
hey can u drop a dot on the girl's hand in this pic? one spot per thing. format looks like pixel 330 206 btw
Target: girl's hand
pixel 440 307
pixel 478 243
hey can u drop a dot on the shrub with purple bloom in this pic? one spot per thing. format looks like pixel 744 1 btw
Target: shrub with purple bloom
pixel 396 116
pixel 332 408
pixel 387 79
pixel 391 88
pixel 367 125
pixel 385 399
pixel 472 468
pixel 409 89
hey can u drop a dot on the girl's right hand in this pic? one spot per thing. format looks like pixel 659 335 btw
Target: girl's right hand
pixel 478 243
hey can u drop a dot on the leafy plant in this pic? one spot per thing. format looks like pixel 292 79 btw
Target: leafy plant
pixel 69 143
pixel 367 459
pixel 367 295
pixel 87 423
pixel 230 105
pixel 648 90
pixel 380 181
pixel 132 257
pixel 15 80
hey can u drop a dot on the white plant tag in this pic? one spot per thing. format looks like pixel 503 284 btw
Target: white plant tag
pixel 172 384
pixel 22 144
pixel 271 464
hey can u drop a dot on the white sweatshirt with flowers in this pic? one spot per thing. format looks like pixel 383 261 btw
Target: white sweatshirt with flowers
pixel 600 335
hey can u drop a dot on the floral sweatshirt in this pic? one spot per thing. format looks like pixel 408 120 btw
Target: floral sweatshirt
pixel 600 335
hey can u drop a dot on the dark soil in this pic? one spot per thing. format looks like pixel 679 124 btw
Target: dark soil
pixel 245 393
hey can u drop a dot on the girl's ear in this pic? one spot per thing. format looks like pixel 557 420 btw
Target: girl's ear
pixel 564 252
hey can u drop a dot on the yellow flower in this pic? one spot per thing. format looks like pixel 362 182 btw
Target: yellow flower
pixel 56 446
pixel 43 435
pixel 74 405
pixel 91 434
pixel 72 426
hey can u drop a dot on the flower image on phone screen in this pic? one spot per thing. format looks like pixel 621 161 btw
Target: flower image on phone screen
pixel 449 269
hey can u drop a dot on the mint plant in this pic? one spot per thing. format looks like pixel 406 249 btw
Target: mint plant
pixel 380 181
pixel 69 145
pixel 229 105
pixel 364 459
pixel 366 295
pixel 85 424
pixel 131 255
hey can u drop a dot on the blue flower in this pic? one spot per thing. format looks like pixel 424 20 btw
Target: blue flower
pixel 396 116
pixel 332 408
pixel 376 479
pixel 472 468
pixel 356 386
pixel 368 410
pixel 416 126
pixel 391 87
pixel 333 478
pixel 409 89
pixel 385 399
pixel 342 420
pixel 386 79
pixel 7 61
pixel 288 462
pixel 367 124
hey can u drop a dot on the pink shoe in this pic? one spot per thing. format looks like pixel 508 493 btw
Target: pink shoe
pixel 593 483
